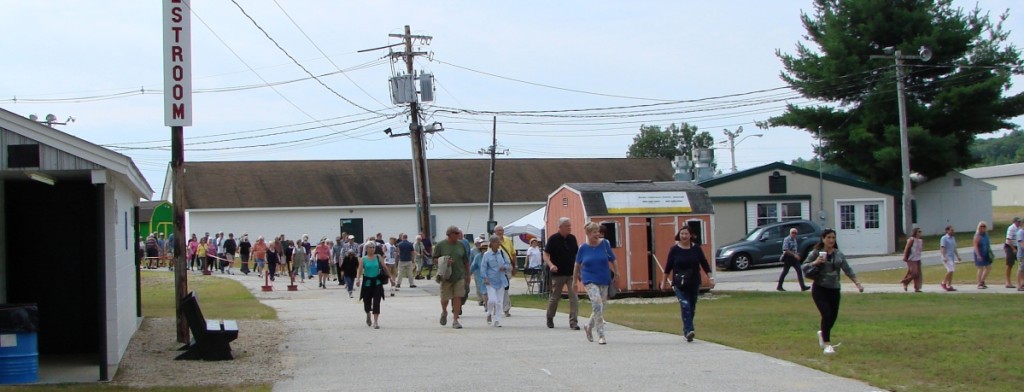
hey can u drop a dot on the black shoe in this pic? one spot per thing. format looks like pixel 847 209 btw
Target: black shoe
pixel 412 286
pixel 574 327
pixel 780 289
pixel 805 288
pixel 689 336
pixel 551 323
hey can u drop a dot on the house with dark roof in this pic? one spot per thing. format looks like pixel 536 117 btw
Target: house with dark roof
pixel 365 197
pixel 68 245
pixel 864 215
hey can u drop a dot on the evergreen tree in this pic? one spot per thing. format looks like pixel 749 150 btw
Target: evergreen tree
pixel 949 100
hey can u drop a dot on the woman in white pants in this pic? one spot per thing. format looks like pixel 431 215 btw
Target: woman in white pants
pixel 494 265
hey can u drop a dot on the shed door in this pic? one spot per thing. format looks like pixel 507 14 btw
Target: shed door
pixel 638 270
pixel 861 227
pixel 664 239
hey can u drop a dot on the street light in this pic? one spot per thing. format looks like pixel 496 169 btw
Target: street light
pixel 733 143
pixel 923 54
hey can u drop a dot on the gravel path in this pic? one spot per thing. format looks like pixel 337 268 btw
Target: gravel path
pixel 149 360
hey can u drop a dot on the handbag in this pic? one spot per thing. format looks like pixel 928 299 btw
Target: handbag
pixel 444 269
pixel 811 271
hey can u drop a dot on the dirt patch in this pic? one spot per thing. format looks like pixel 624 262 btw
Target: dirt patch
pixel 149 359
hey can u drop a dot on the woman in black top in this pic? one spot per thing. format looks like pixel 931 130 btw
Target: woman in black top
pixel 682 270
pixel 244 248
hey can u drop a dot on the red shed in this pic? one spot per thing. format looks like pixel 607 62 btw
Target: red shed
pixel 641 219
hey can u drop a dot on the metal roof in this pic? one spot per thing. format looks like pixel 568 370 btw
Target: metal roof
pixel 1008 170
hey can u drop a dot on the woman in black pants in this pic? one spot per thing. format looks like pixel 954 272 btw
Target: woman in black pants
pixel 825 290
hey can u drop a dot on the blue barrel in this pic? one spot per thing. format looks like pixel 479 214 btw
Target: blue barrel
pixel 19 345
pixel 19 358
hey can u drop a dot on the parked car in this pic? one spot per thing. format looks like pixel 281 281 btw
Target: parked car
pixel 763 245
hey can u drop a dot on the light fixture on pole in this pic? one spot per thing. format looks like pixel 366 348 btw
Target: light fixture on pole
pixel 923 54
pixel 733 143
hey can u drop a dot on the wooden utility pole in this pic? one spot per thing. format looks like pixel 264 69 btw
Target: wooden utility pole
pixel 492 151
pixel 178 210
pixel 420 177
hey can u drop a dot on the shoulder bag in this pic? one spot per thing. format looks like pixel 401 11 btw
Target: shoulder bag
pixel 810 270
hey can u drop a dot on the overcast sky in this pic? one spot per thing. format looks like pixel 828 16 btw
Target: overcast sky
pixel 101 63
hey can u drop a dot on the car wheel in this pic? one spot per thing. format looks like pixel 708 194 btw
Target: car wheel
pixel 741 262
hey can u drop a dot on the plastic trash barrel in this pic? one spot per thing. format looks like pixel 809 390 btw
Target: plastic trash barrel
pixel 19 347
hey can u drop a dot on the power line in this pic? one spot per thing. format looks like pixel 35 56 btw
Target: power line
pixel 276 44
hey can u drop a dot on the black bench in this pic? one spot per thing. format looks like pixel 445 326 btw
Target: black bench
pixel 211 339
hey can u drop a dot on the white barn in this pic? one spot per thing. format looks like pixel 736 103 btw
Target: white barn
pixel 954 199
pixel 83 201
pixel 365 197
pixel 1008 180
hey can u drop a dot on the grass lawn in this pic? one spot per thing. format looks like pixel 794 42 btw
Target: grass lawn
pixel 219 298
pixel 965 275
pixel 924 342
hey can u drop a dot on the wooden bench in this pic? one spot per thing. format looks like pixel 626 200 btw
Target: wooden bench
pixel 211 339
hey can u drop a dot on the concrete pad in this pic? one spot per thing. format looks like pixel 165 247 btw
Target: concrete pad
pixel 331 348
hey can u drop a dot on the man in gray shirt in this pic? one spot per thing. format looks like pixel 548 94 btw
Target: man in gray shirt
pixel 791 259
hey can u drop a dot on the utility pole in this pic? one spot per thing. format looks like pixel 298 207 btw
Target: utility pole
pixel 733 143
pixel 492 150
pixel 419 164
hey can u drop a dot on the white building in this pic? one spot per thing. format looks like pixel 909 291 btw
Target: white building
pixel 365 197
pixel 67 241
pixel 1008 180
pixel 954 199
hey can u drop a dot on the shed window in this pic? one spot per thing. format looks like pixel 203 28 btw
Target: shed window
pixel 772 212
pixel 22 155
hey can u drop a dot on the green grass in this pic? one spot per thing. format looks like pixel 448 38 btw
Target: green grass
pixel 924 342
pixel 965 275
pixel 219 298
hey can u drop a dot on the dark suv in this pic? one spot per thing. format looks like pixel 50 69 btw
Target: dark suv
pixel 763 245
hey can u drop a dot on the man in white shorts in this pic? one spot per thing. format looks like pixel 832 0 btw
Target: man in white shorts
pixel 1010 248
pixel 947 247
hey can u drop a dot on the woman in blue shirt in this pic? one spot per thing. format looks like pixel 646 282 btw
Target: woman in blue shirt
pixel 982 253
pixel 594 267
pixel 493 265
pixel 682 270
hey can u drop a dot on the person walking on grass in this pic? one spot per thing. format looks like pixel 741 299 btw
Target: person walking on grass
pixel 372 276
pixel 1020 256
pixel 1010 248
pixel 982 254
pixel 825 290
pixel 682 271
pixel 912 256
pixel 495 264
pixel 594 267
pixel 947 247
pixel 560 259
pixel 791 259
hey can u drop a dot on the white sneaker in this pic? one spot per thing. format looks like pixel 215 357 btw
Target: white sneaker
pixel 497 324
pixel 830 349
pixel 821 340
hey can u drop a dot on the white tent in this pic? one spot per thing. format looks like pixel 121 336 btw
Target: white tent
pixel 531 224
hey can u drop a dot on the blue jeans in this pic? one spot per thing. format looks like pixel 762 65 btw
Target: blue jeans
pixel 349 281
pixel 687 305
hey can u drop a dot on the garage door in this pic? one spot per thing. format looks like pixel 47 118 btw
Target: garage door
pixel 861 227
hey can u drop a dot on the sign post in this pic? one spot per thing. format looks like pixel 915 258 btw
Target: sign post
pixel 177 36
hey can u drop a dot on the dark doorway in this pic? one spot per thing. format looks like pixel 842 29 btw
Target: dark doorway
pixel 52 260
pixel 353 226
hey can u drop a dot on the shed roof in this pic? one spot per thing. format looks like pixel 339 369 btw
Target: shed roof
pixel 730 177
pixel 595 202
pixel 119 164
pixel 1008 170
pixel 267 184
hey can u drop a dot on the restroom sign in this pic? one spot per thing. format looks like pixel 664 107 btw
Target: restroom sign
pixel 177 63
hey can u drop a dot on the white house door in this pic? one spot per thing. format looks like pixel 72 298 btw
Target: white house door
pixel 861 229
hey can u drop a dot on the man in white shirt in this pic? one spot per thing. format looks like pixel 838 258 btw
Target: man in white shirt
pixel 1010 247
pixel 391 262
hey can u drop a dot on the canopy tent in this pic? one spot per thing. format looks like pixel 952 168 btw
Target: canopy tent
pixel 528 226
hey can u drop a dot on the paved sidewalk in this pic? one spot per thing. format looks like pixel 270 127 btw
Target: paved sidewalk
pixel 331 348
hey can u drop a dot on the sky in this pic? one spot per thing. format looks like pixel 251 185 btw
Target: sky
pixel 534 63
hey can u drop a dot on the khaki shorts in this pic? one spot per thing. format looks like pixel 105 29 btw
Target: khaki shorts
pixel 453 289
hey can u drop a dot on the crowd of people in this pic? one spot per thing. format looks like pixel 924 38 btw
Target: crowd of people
pixel 377 268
